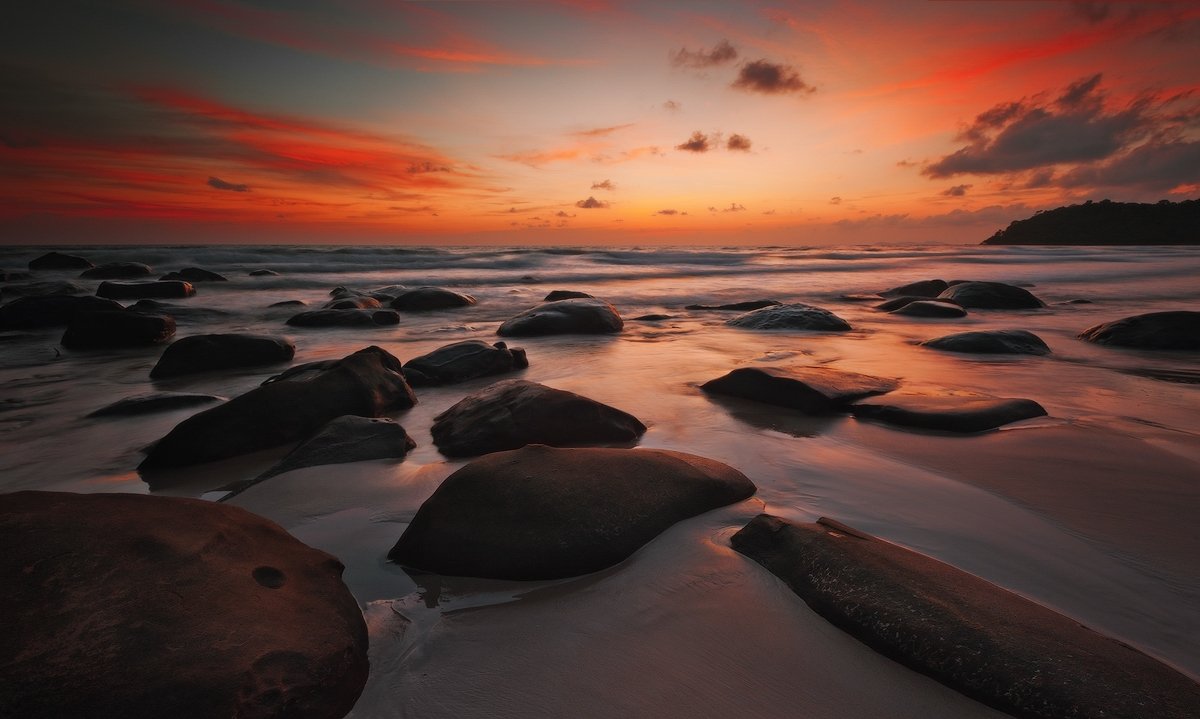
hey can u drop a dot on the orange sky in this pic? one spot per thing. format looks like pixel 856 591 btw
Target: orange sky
pixel 586 122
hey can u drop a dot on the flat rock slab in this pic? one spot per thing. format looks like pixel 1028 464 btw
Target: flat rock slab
pixel 421 299
pixel 791 317
pixel 974 637
pixel 1019 342
pixel 580 315
pixel 117 271
pixel 346 439
pixel 949 414
pixel 157 402
pixel 206 353
pixel 345 318
pixel 461 361
pixel 545 513
pixel 117 328
pixel 29 313
pixel 990 296
pixel 812 390
pixel 512 413
pixel 1178 330
pixel 931 308
pixel 168 289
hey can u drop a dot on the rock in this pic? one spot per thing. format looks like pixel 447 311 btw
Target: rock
pixel 990 296
pixel 930 308
pixel 205 353
pixel 812 390
pixel 345 439
pixel 896 303
pixel 791 317
pixel 545 513
pixel 29 313
pixel 46 288
pixel 922 288
pixel 195 274
pixel 1178 330
pixel 289 303
pixel 59 261
pixel 354 303
pixel 263 273
pixel 512 413
pixel 462 361
pixel 653 318
pixel 382 294
pixel 860 297
pixel 135 290
pixel 1077 301
pixel 974 637
pixel 116 328
pixel 574 316
pixel 345 318
pixel 121 605
pixel 1018 342
pixel 950 413
pixel 556 295
pixel 118 271
pixel 288 408
pixel 737 306
pixel 179 312
pixel 158 402
pixel 430 298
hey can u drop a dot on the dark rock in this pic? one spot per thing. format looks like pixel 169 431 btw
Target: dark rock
pixel 896 303
pixel 345 318
pixel 513 413
pixel 545 513
pixel 1018 342
pixel 950 413
pixel 59 261
pixel 195 274
pixel 116 328
pixel 205 353
pixel 288 408
pixel 29 313
pixel 923 288
pixel 134 290
pixel 263 273
pixel 179 312
pixel 990 296
pixel 813 390
pixel 47 288
pixel 159 402
pixel 343 440
pixel 556 295
pixel 1179 330
pixel 289 303
pixel 354 303
pixel 737 306
pixel 121 605
pixel 575 316
pixel 1077 302
pixel 791 317
pixel 976 638
pixel 383 294
pixel 462 361
pixel 430 298
pixel 930 308
pixel 118 271
pixel 653 318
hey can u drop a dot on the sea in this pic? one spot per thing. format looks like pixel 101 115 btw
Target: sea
pixel 1091 510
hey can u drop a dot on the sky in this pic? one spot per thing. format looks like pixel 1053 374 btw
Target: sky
pixel 585 122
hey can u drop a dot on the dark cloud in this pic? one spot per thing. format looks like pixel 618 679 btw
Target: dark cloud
pixel 957 190
pixel 721 53
pixel 835 200
pixel 1040 178
pixel 734 207
pixel 220 184
pixel 667 212
pixel 602 131
pixel 770 78
pixel 1152 167
pixel 738 143
pixel 417 168
pixel 591 203
pixel 604 185
pixel 697 143
pixel 1080 93
pixel 563 214
pixel 672 106
pixel 769 212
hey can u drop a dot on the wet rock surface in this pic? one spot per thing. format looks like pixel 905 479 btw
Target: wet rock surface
pixel 1178 330
pixel 948 413
pixel 572 316
pixel 990 342
pixel 117 328
pixel 205 353
pixel 990 296
pixel 812 390
pixel 461 361
pixel 931 308
pixel 791 317
pixel 345 439
pixel 162 289
pixel 422 299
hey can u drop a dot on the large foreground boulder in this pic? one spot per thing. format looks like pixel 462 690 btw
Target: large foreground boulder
pixel 990 296
pixel 367 383
pixel 29 313
pixel 812 390
pixel 346 439
pixel 513 413
pixel 345 318
pixel 121 605
pixel 791 317
pixel 545 513
pixel 59 261
pixel 161 289
pixel 118 271
pixel 422 299
pixel 117 328
pixel 949 413
pixel 580 315
pixel 1019 342
pixel 974 637
pixel 1178 330
pixel 205 353
pixel 461 361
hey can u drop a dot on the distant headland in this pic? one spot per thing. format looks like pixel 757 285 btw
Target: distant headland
pixel 1107 223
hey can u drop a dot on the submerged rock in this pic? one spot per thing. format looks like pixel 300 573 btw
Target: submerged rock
pixel 990 296
pixel 29 313
pixel 462 361
pixel 122 605
pixel 205 353
pixel 922 288
pixel 289 303
pixel 135 290
pixel 423 299
pixel 574 316
pixel 974 637
pixel 157 402
pixel 556 295
pixel 345 318
pixel 991 342
pixel 545 513
pixel 896 303
pixel 263 273
pixel 343 440
pixel 930 308
pixel 791 317
pixel 118 271
pixel 950 413
pixel 116 328
pixel 813 390
pixel 1179 330
pixel 737 306
pixel 59 261
pixel 195 274
pixel 512 413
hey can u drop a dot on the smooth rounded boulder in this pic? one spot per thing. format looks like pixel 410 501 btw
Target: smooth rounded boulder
pixel 1178 330
pixel 1019 342
pixel 161 289
pixel 118 271
pixel 206 353
pixel 345 318
pixel 343 440
pixel 117 328
pixel 930 308
pixel 556 295
pixel 512 413
pixel 544 513
pixel 121 605
pixel 812 390
pixel 59 261
pixel 422 299
pixel 29 313
pixel 581 315
pixel 796 316
pixel 921 288
pixel 990 296
pixel 461 361
pixel 949 413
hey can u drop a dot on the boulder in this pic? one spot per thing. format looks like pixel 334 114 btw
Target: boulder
pixel 545 513
pixel 556 295
pixel 1019 342
pixel 512 413
pixel 345 318
pixel 136 290
pixel 29 313
pixel 990 296
pixel 157 402
pixel 922 288
pixel 263 273
pixel 737 306
pixel 118 271
pixel 287 409
pixel 812 390
pixel 59 261
pixel 791 317
pixel 116 328
pixel 653 317
pixel 122 605
pixel 289 303
pixel 1178 330
pixel 195 274
pixel 580 315
pixel 422 299
pixel 930 308
pixel 462 361
pixel 354 303
pixel 205 353
pixel 345 439
pixel 976 638
pixel 949 413
pixel 45 288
